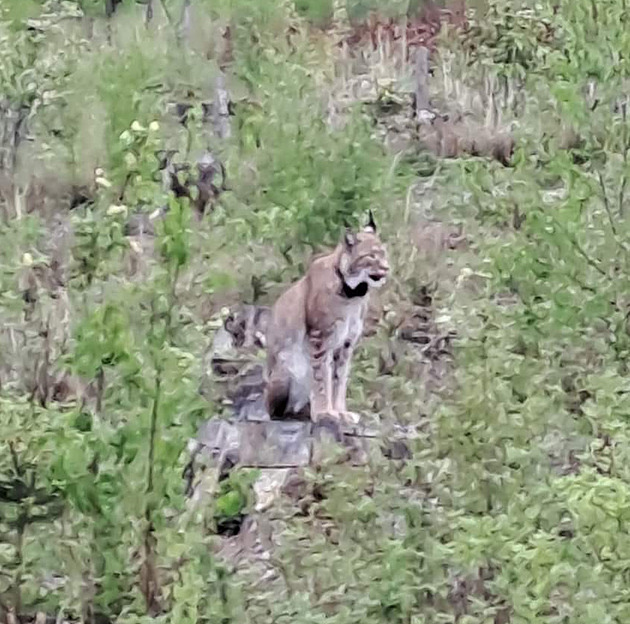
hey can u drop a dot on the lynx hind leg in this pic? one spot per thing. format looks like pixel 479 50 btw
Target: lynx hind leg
pixel 303 412
pixel 277 394
pixel 283 397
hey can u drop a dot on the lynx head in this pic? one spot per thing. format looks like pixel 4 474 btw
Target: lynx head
pixel 363 257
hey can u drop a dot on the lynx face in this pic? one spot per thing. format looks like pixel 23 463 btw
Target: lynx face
pixel 363 259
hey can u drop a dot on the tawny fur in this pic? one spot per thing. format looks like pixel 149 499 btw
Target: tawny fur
pixel 315 326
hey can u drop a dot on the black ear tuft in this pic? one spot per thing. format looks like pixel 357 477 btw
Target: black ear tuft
pixel 371 225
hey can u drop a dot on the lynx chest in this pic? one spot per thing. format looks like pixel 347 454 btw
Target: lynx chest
pixel 347 327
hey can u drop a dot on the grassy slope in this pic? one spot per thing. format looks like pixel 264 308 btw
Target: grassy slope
pixel 515 507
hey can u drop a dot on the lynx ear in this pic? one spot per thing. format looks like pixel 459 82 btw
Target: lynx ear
pixel 371 225
pixel 349 238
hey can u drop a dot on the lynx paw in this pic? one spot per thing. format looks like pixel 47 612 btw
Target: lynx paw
pixel 329 422
pixel 328 427
pixel 350 418
pixel 326 416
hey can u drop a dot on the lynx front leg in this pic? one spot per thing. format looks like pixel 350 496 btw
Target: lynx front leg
pixel 341 373
pixel 322 370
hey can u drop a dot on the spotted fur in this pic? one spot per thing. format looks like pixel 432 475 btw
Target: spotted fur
pixel 315 326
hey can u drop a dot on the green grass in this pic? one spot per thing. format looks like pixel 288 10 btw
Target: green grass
pixel 515 506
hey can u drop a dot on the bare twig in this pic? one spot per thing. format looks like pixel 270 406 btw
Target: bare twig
pixel 167 12
pixel 586 257
pixel 15 460
pixel 602 185
pixel 221 109
pixel 626 149
pixel 153 430
pixel 148 571
pixel 100 389
pixel 19 560
pixel 421 94
pixel 183 28
pixel 580 249
pixel 148 16
pixel 148 577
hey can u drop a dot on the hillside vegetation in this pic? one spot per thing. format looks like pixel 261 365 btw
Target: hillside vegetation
pixel 162 160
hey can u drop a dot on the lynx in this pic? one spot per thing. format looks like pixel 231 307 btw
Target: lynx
pixel 315 326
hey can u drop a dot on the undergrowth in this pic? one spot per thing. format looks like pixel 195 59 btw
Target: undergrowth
pixel 515 505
